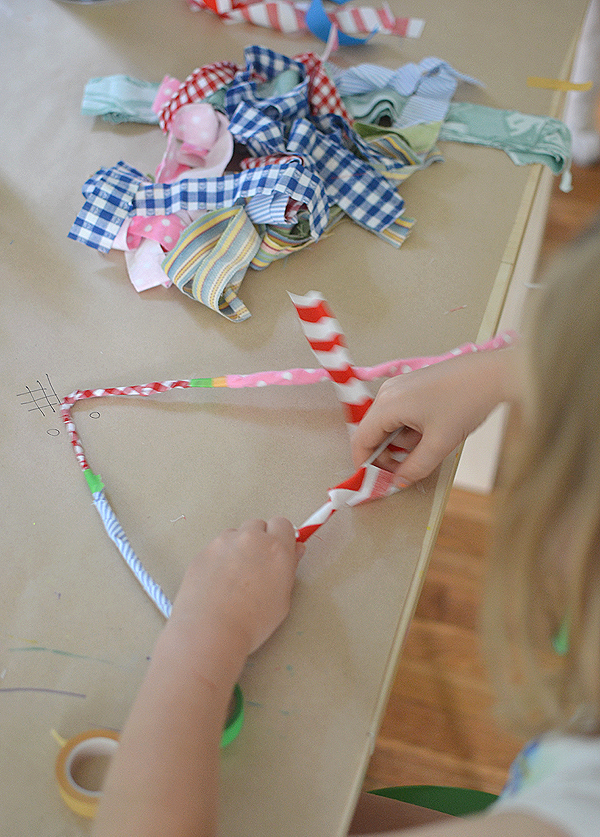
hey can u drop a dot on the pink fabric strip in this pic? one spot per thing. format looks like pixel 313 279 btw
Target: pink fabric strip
pixel 389 369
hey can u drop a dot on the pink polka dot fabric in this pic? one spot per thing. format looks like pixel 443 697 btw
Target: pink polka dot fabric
pixel 165 229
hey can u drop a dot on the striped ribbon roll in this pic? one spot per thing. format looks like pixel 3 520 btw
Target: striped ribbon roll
pixel 326 339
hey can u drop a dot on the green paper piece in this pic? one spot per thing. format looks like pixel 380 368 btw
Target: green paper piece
pixel 94 481
pixel 201 382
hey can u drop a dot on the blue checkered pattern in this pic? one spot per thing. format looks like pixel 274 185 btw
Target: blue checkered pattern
pixel 261 134
pixel 338 165
pixel 350 183
pixel 291 179
pixel 109 194
pixel 267 64
pixel 353 185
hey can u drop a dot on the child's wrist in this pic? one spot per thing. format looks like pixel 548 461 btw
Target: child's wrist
pixel 215 651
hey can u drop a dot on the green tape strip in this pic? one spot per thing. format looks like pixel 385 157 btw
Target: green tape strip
pixel 235 721
pixel 201 382
pixel 560 641
pixel 94 481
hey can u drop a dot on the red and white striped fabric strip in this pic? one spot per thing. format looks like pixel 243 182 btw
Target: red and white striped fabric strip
pixel 276 14
pixel 81 394
pixel 325 338
pixel 288 16
pixel 368 483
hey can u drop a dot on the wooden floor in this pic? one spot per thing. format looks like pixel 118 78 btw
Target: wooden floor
pixel 439 726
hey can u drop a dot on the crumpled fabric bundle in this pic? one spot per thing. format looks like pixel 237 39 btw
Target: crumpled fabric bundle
pixel 203 218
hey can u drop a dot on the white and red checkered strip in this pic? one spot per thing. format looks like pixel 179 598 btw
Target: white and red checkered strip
pixel 197 86
pixel 81 394
pixel 322 93
pixel 325 338
pixel 368 483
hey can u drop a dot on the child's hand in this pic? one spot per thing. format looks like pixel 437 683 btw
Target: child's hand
pixel 436 407
pixel 242 582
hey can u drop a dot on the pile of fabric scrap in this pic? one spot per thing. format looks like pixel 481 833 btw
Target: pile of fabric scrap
pixel 261 160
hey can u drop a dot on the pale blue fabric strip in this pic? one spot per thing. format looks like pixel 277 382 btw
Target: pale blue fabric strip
pixel 117 535
pixel 430 85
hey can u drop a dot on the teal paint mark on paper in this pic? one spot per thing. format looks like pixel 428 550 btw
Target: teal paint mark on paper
pixel 46 691
pixel 62 653
pixel 290 669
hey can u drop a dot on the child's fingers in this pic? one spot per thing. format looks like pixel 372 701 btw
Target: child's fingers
pixel 282 529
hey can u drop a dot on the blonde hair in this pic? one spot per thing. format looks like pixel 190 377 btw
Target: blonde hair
pixel 544 568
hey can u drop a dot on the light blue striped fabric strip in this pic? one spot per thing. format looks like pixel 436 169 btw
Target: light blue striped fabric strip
pixel 267 209
pixel 429 86
pixel 115 532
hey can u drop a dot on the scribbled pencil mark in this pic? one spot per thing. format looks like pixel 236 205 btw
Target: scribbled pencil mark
pixel 42 398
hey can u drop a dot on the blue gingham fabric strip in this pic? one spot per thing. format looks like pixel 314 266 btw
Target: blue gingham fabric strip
pixel 430 85
pixel 291 179
pixel 109 196
pixel 262 135
pixel 116 193
pixel 283 104
pixel 351 184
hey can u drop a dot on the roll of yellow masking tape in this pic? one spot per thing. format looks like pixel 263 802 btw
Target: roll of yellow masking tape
pixel 80 766
pixel 82 761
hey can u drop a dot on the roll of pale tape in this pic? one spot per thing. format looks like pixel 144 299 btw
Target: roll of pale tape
pixel 103 743
pixel 93 744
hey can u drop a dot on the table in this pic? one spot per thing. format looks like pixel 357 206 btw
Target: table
pixel 76 630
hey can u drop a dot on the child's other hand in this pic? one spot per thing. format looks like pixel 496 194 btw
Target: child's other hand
pixel 436 407
pixel 242 582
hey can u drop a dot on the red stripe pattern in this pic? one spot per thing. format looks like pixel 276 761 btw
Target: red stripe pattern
pixel 325 338
pixel 368 483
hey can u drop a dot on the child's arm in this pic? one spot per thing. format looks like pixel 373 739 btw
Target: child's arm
pixel 164 777
pixel 438 407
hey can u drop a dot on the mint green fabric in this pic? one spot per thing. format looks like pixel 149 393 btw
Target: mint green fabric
pixel 526 139
pixel 419 138
pixel 120 98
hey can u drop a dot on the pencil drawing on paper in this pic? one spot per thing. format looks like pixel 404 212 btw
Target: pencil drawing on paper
pixel 43 397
